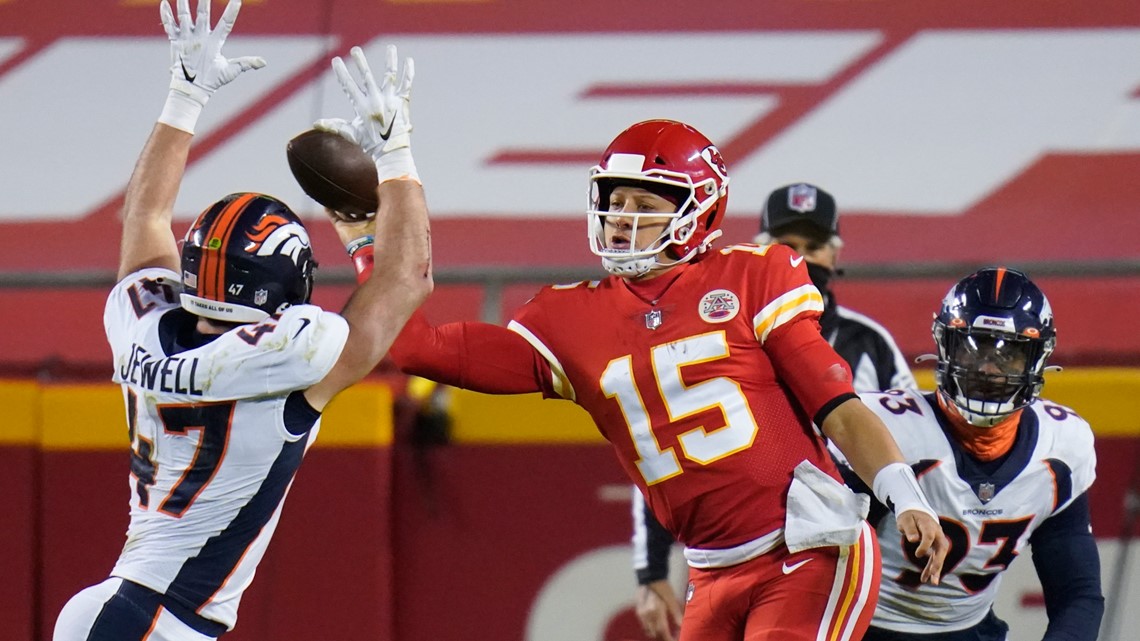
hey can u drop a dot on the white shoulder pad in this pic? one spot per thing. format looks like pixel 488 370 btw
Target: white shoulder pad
pixel 277 355
pixel 911 422
pixel 1071 442
pixel 142 295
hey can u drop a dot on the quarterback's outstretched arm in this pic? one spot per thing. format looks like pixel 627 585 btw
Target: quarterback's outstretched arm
pixel 475 356
pixel 197 69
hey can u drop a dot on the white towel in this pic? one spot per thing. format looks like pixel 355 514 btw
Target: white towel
pixel 822 512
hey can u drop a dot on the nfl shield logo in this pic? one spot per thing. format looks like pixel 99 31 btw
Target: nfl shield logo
pixel 653 319
pixel 260 296
pixel 801 198
pixel 689 590
pixel 986 492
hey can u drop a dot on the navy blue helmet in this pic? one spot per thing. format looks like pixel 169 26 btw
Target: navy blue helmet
pixel 246 258
pixel 994 333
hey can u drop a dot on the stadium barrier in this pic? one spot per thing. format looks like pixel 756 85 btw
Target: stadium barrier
pixel 523 512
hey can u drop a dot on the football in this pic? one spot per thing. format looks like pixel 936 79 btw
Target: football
pixel 335 172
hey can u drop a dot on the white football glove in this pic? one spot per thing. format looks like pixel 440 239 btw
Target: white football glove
pixel 383 124
pixel 197 66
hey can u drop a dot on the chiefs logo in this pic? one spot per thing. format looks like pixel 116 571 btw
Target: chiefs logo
pixel 276 234
pixel 711 156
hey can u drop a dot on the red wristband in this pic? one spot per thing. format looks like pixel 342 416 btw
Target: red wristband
pixel 362 260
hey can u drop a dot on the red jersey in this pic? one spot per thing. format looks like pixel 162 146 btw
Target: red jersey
pixel 686 389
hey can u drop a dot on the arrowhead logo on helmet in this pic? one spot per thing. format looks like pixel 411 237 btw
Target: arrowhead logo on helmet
pixel 664 157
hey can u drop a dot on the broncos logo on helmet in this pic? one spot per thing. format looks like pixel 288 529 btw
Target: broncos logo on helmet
pixel 246 258
pixel 276 234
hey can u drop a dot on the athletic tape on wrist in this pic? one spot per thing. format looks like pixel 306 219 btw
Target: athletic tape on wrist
pixel 396 165
pixel 896 486
pixel 181 111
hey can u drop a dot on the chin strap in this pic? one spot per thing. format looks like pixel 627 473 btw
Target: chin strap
pixel 637 267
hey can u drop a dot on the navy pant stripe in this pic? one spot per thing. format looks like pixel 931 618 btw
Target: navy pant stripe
pixel 125 616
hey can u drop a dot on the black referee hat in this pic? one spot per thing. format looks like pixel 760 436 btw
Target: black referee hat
pixel 810 209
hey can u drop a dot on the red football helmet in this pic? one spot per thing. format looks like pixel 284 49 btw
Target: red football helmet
pixel 666 157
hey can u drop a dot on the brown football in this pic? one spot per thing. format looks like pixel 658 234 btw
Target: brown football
pixel 335 172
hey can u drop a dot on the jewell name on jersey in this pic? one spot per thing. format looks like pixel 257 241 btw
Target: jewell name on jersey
pixel 172 374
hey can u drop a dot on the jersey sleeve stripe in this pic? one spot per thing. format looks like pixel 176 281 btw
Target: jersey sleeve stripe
pixel 804 298
pixel 562 385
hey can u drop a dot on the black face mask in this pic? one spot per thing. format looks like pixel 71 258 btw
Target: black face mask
pixel 820 277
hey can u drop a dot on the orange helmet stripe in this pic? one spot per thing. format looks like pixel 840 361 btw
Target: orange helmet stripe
pixel 1000 276
pixel 211 280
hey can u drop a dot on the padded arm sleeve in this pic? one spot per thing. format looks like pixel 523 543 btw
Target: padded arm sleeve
pixel 652 543
pixel 1068 564
pixel 475 356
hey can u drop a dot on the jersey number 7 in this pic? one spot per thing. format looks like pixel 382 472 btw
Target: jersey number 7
pixel 210 420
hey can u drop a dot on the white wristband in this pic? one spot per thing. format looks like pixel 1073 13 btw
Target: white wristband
pixel 181 111
pixel 357 244
pixel 896 486
pixel 397 164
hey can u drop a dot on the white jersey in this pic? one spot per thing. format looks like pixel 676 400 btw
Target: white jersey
pixel 213 450
pixel 987 517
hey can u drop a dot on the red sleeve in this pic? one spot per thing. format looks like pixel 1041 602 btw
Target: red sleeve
pixel 477 356
pixel 818 377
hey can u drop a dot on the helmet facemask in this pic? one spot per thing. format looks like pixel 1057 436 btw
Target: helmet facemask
pixel 673 245
pixel 988 376
pixel 994 334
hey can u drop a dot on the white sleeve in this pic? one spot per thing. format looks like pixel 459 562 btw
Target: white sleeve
pixel 903 378
pixel 1079 453
pixel 277 355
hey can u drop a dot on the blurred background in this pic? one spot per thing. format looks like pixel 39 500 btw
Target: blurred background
pixel 953 135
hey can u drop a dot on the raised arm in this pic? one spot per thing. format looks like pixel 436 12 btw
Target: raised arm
pixel 401 278
pixel 470 355
pixel 197 69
